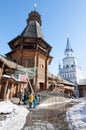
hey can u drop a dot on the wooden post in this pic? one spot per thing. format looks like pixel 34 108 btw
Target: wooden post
pixel 11 95
pixel 5 94
pixel 2 71
pixel 35 72
pixel 46 80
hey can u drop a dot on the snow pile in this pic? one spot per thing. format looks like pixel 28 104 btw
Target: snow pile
pixel 15 116
pixel 76 116
pixel 54 101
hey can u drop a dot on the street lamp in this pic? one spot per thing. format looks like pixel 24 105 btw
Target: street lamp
pixel 76 90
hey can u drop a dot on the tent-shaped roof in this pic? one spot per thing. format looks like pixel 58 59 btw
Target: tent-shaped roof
pixel 33 28
pixel 68 46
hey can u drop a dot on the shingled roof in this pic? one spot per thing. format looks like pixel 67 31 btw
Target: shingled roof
pixel 33 28
pixel 9 63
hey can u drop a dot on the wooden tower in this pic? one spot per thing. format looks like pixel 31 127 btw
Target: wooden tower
pixel 31 51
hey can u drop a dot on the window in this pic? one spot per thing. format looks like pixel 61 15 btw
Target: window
pixel 72 65
pixel 67 66
pixel 28 62
pixel 15 60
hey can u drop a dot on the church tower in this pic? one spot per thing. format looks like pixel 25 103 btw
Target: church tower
pixel 31 51
pixel 70 70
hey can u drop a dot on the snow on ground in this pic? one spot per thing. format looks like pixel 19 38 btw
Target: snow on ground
pixel 15 117
pixel 54 101
pixel 76 116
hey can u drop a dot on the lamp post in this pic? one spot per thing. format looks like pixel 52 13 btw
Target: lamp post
pixel 76 90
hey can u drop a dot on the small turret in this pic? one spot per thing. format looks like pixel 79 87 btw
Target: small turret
pixel 59 65
pixel 34 15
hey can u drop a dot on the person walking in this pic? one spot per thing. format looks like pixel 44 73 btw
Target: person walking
pixel 26 98
pixel 20 96
pixel 35 101
pixel 31 98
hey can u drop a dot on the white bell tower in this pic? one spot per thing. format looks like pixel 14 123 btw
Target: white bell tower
pixel 70 71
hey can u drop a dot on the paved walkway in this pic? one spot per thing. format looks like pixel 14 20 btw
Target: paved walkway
pixel 51 118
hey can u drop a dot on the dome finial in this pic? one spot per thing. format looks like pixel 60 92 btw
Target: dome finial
pixel 35 6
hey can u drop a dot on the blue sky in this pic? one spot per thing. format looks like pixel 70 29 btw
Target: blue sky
pixel 60 18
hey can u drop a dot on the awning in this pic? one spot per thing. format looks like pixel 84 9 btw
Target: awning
pixel 68 87
pixel 60 85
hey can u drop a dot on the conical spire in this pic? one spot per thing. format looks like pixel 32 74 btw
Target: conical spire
pixel 68 50
pixel 68 46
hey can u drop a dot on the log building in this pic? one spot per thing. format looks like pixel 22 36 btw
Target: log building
pixel 30 54
pixel 30 50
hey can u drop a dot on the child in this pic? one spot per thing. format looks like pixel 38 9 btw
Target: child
pixel 31 98
pixel 35 101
